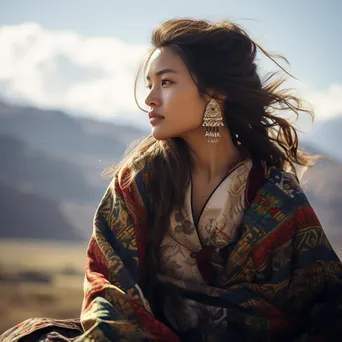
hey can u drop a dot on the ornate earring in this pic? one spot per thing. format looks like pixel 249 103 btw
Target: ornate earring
pixel 212 120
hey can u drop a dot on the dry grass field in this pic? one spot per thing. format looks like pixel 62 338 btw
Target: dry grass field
pixel 40 279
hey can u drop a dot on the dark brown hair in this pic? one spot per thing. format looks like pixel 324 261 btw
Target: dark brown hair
pixel 219 56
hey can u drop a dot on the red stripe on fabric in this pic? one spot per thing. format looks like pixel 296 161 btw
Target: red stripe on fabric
pixel 302 219
pixel 206 268
pixel 157 329
pixel 136 210
pixel 279 321
pixel 96 274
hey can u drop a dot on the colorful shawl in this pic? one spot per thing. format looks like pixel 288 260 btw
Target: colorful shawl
pixel 282 281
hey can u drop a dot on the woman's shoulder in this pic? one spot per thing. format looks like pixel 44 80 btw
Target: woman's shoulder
pixel 127 177
pixel 278 197
pixel 272 182
pixel 132 184
pixel 284 185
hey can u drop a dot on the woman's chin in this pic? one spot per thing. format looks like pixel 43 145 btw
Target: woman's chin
pixel 159 135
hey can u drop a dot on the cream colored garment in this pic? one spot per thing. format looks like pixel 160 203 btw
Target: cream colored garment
pixel 217 225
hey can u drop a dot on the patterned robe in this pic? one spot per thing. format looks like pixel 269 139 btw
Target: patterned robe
pixel 217 226
pixel 278 279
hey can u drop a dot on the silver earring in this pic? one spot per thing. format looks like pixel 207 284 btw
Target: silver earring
pixel 212 120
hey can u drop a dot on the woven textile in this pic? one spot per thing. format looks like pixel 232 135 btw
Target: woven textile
pixel 281 279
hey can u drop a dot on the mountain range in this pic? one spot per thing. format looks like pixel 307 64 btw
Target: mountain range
pixel 51 165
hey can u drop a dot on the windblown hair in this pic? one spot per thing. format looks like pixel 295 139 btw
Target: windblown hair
pixel 219 56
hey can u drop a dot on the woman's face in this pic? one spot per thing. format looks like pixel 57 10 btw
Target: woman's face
pixel 173 95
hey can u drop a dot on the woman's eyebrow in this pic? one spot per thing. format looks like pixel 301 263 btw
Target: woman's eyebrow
pixel 163 71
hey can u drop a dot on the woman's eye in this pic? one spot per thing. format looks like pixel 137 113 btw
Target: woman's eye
pixel 163 81
pixel 149 86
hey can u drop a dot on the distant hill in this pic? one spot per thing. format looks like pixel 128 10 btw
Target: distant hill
pixel 25 215
pixel 50 157
pixel 88 146
pixel 322 184
pixel 28 169
pixel 67 137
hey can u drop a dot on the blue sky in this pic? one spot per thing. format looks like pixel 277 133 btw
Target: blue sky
pixel 307 32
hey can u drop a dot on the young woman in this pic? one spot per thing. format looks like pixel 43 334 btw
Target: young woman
pixel 204 234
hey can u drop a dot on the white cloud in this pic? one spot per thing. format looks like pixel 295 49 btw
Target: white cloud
pixel 94 75
pixel 326 104
pixel 61 69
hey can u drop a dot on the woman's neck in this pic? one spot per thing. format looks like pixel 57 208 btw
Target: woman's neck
pixel 211 161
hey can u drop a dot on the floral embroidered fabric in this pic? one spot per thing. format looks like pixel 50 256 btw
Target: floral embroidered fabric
pixel 217 226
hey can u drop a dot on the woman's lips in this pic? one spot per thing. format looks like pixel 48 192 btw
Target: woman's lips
pixel 155 118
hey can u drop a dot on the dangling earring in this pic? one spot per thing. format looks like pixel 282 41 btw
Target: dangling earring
pixel 212 120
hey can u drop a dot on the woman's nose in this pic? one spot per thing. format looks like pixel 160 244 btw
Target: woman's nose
pixel 152 99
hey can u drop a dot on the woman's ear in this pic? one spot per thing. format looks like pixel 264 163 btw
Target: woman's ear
pixel 221 97
pixel 217 95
